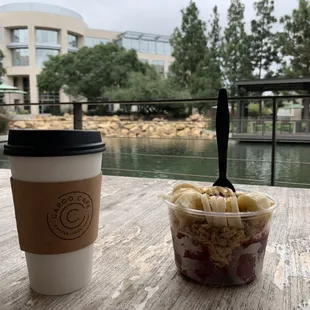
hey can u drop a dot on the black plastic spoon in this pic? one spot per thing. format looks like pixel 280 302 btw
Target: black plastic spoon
pixel 222 133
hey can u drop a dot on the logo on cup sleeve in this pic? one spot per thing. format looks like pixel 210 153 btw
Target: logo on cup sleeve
pixel 71 216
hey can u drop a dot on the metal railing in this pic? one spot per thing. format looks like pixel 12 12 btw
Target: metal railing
pixel 266 126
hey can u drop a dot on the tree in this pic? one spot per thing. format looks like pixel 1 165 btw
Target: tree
pixel 189 46
pixel 295 42
pixel 236 56
pixel 150 86
pixel 263 48
pixel 214 55
pixel 2 69
pixel 90 71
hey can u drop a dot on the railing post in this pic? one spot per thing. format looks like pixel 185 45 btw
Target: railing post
pixel 273 150
pixel 77 116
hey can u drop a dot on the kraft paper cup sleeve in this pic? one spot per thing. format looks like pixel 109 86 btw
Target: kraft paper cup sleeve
pixel 55 218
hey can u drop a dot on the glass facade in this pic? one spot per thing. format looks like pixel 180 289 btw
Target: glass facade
pixel 45 36
pixel 159 66
pixel 72 40
pixel 91 41
pixel 42 55
pixel 20 57
pixel 19 35
pixel 145 43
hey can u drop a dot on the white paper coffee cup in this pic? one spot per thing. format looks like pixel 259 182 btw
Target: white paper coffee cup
pixel 80 158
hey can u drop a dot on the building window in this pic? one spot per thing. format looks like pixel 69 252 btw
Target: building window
pixel 163 48
pixel 19 35
pixel 148 46
pixel 20 57
pixel 145 61
pixel 159 66
pixel 72 40
pixel 43 55
pixel 44 36
pixel 91 42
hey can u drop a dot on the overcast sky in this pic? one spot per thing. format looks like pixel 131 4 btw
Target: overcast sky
pixel 152 16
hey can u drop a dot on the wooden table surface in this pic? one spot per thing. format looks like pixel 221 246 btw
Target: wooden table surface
pixel 134 264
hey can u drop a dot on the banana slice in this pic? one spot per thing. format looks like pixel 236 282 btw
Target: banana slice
pixel 253 202
pixel 186 186
pixel 190 200
pixel 232 206
pixel 218 204
pixel 207 207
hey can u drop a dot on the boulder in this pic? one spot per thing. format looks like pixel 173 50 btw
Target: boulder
pixel 124 132
pixel 20 124
pixel 105 131
pixel 29 125
pixel 145 127
pixel 115 118
pixel 114 125
pixel 134 129
pixel 167 129
pixel 129 126
pixel 195 117
pixel 180 126
pixel 91 126
pixel 151 130
pixel 201 125
pixel 196 132
pixel 206 136
pixel 184 133
pixel 103 125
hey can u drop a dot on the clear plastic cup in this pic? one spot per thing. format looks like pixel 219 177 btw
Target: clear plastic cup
pixel 211 250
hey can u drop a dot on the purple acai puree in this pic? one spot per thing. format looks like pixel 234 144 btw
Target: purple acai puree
pixel 245 264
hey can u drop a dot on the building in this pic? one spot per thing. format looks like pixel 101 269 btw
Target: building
pixel 30 32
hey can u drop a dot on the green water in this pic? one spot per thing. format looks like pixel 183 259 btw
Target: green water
pixel 197 160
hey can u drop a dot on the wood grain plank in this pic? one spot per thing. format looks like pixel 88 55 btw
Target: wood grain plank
pixel 134 264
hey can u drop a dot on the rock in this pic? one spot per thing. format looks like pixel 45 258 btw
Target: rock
pixel 129 126
pixel 103 125
pixel 132 135
pixel 184 133
pixel 124 132
pixel 134 129
pixel 206 136
pixel 201 125
pixel 167 129
pixel 155 136
pixel 105 131
pixel 145 127
pixel 196 132
pixel 30 125
pixel 159 131
pixel 91 126
pixel 180 126
pixel 114 125
pixel 156 119
pixel 188 119
pixel 151 130
pixel 194 117
pixel 20 124
pixel 143 134
pixel 115 118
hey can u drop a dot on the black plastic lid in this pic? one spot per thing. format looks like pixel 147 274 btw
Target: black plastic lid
pixel 50 143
